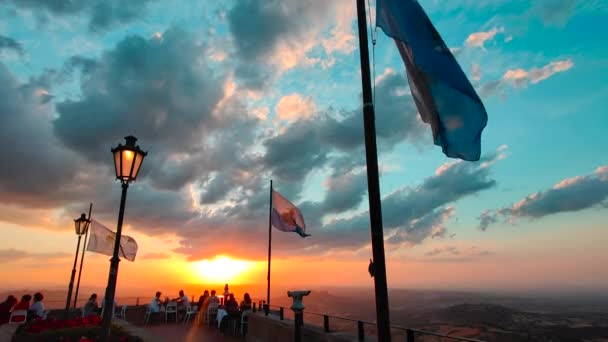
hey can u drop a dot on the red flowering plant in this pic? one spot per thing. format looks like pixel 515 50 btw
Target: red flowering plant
pixel 39 325
pixel 81 329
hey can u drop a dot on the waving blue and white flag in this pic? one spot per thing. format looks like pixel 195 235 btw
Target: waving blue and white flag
pixel 444 96
pixel 286 216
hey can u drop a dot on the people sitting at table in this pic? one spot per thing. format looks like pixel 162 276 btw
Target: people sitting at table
pixel 182 301
pixel 202 299
pixel 24 304
pixel 6 307
pixel 156 303
pixel 91 308
pixel 246 302
pixel 37 308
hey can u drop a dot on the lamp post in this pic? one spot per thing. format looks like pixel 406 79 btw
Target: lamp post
pixel 127 161
pixel 80 224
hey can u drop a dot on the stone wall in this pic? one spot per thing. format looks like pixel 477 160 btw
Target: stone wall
pixel 271 329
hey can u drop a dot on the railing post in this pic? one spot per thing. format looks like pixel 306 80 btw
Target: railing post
pixel 361 331
pixel 326 323
pixel 266 309
pixel 281 313
pixel 137 301
pixel 410 335
pixel 253 307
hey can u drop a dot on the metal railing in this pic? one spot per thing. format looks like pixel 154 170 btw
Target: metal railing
pixel 351 325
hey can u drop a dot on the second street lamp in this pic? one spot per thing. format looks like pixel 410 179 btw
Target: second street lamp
pixel 80 225
pixel 127 161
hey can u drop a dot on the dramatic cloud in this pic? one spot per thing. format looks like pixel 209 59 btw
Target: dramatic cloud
pixel 293 107
pixel 571 194
pixel 457 254
pixel 12 255
pixel 414 214
pixel 478 39
pixel 7 43
pixel 518 78
pixel 37 171
pixel 273 36
pixel 101 14
pixel 344 192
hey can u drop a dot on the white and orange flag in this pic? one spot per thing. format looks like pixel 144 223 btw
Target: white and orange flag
pixel 101 240
pixel 285 216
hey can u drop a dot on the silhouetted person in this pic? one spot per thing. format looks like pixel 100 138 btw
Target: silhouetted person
pixel 91 307
pixel 232 306
pixel 24 304
pixel 202 299
pixel 155 303
pixel 6 307
pixel 37 308
pixel 246 303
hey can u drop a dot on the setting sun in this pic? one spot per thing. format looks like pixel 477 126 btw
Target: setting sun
pixel 222 269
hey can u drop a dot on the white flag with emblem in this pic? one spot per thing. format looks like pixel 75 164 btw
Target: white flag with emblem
pixel 101 240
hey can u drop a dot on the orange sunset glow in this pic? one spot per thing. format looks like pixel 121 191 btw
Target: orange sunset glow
pixel 223 268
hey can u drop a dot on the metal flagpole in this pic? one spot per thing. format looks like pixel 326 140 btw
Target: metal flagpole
pixel 373 184
pixel 269 247
pixel 84 249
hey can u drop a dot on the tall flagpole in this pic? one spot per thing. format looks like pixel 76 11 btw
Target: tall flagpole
pixel 84 249
pixel 269 246
pixel 373 184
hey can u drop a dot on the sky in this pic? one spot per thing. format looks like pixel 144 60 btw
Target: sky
pixel 227 95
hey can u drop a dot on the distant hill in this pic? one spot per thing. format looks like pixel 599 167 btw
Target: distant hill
pixel 487 314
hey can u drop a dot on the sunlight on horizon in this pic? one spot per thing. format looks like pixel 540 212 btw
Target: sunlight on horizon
pixel 223 269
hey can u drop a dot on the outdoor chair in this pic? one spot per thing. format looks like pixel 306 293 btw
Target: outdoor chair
pixel 244 321
pixel 18 317
pixel 171 309
pixel 211 315
pixel 191 310
pixel 148 314
pixel 123 313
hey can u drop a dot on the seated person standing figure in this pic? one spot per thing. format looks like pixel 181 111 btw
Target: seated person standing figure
pixel 155 303
pixel 232 307
pixel 213 300
pixel 202 299
pixel 24 304
pixel 37 309
pixel 5 309
pixel 182 300
pixel 246 303
pixel 91 307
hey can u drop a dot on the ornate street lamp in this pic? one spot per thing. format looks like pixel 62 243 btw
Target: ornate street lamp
pixel 80 224
pixel 127 161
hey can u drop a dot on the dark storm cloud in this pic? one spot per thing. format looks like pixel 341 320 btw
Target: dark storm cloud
pixel 101 14
pixel 396 118
pixel 7 43
pixel 345 192
pixel 430 225
pixel 413 214
pixel 293 154
pixel 156 90
pixel 37 171
pixel 572 194
pixel 258 27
